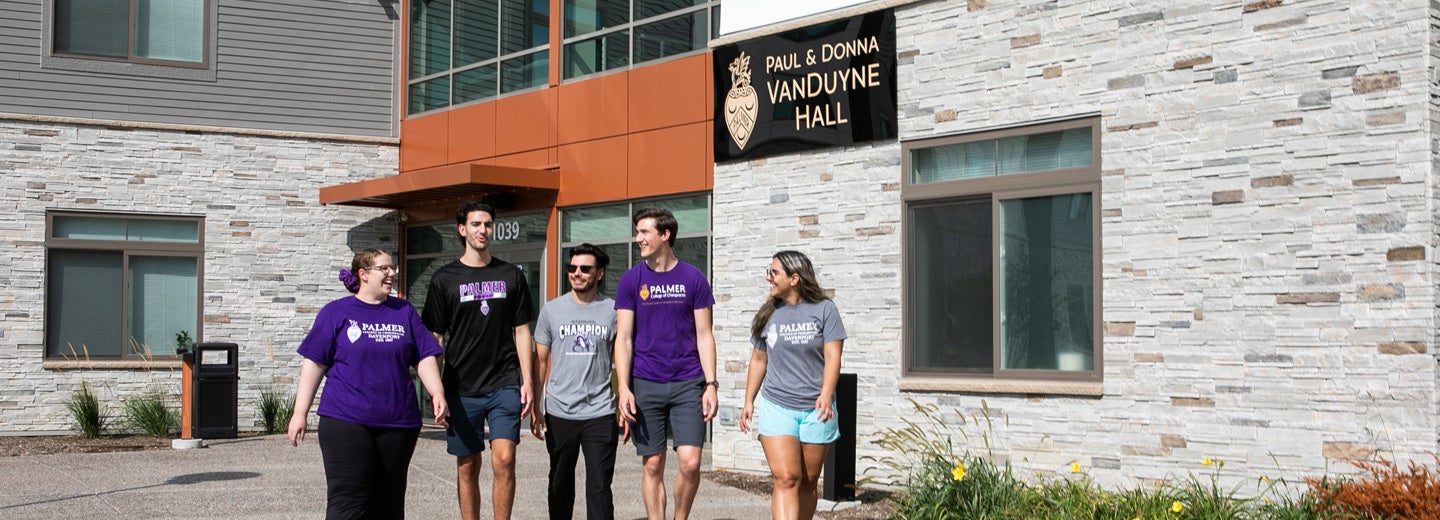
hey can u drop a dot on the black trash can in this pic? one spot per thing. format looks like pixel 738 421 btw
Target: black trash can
pixel 215 413
pixel 839 472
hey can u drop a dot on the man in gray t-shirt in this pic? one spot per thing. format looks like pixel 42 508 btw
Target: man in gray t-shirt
pixel 573 339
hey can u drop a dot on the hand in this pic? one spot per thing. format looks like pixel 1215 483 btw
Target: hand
pixel 745 414
pixel 538 426
pixel 525 399
pixel 823 405
pixel 627 406
pixel 624 431
pixel 297 429
pixel 441 409
pixel 710 403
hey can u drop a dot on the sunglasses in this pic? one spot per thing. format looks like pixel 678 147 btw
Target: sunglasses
pixel 583 268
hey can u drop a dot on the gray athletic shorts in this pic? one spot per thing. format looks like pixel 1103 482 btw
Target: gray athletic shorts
pixel 678 404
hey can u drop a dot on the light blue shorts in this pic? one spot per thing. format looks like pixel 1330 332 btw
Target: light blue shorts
pixel 774 420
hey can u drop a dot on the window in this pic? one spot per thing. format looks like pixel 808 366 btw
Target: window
pixel 121 286
pixel 603 35
pixel 162 32
pixel 469 50
pixel 1002 236
pixel 609 227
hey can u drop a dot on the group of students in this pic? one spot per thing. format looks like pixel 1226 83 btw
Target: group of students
pixel 656 333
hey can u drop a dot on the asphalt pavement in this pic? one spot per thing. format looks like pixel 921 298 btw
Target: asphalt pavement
pixel 263 477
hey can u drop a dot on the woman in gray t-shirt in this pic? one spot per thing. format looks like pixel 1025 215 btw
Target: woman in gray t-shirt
pixel 798 337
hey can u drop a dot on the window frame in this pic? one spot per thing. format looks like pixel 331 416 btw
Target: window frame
pixel 497 62
pixel 203 70
pixel 1000 188
pixel 618 266
pixel 126 249
pixel 712 17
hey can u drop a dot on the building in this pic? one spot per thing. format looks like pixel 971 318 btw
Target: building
pixel 1139 235
pixel 162 169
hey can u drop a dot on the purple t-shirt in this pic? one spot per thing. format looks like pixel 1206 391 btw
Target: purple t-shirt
pixel 664 306
pixel 369 349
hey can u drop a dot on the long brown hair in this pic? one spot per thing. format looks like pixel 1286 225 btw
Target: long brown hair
pixel 793 262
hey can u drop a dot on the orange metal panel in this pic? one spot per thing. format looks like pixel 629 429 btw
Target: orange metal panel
pixel 534 159
pixel 423 142
pixel 593 171
pixel 669 94
pixel 593 108
pixel 669 160
pixel 472 132
pixel 523 122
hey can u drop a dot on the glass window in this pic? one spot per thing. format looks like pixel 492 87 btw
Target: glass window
pixel 499 46
pixel 1001 253
pixel 121 286
pixel 146 31
pixel 598 32
pixel 609 228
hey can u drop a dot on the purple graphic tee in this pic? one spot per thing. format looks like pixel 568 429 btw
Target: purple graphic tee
pixel 665 305
pixel 369 349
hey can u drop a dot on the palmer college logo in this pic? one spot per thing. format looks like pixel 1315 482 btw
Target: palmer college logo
pixel 741 104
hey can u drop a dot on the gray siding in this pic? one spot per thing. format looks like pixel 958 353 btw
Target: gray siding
pixel 325 66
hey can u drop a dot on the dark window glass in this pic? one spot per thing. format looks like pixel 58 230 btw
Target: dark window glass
pixel 950 291
pixel 526 25
pixel 1047 284
pixel 475 31
pixel 430 95
pixel 476 83
pixel 647 8
pixel 83 313
pixel 599 54
pixel 587 16
pixel 531 70
pixel 429 37
pixel 670 37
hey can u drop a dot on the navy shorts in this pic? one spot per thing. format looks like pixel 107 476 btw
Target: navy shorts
pixel 678 404
pixel 499 409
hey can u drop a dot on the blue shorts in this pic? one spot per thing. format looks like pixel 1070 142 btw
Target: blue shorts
pixel 469 415
pixel 774 420
pixel 668 410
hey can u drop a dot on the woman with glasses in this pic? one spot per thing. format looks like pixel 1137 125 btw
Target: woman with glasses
pixel 797 335
pixel 365 345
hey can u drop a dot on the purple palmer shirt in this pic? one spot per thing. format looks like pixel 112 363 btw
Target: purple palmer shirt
pixel 665 305
pixel 369 349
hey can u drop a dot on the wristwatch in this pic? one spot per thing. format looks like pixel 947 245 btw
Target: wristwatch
pixel 715 384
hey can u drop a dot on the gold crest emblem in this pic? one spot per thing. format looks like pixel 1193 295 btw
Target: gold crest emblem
pixel 741 103
pixel 644 292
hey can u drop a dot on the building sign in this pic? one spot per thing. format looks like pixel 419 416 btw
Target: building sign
pixel 831 84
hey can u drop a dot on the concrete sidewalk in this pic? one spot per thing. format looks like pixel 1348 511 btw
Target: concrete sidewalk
pixel 264 477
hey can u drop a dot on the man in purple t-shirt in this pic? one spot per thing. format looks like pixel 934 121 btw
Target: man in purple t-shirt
pixel 665 360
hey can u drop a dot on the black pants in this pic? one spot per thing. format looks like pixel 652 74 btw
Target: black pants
pixel 365 469
pixel 565 440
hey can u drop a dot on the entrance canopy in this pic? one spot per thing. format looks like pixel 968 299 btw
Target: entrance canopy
pixel 439 185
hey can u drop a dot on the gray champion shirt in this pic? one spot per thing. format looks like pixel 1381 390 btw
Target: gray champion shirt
pixel 794 343
pixel 580 337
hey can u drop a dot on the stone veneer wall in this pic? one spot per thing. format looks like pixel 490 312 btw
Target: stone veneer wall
pixel 1267 200
pixel 271 250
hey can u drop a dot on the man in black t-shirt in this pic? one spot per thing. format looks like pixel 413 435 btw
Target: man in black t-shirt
pixel 479 308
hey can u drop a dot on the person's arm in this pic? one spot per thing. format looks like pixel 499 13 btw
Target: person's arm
pixel 524 349
pixel 624 356
pixel 439 339
pixel 753 377
pixel 429 371
pixel 831 378
pixel 310 375
pixel 542 376
pixel 705 342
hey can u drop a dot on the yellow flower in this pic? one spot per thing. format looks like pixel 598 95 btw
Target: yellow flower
pixel 1176 507
pixel 1206 461
pixel 959 472
pixel 1266 499
pixel 1074 467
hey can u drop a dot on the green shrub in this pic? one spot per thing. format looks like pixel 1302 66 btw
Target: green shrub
pixel 147 412
pixel 940 479
pixel 85 410
pixel 275 408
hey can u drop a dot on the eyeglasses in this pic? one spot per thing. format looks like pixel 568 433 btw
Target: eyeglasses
pixel 583 268
pixel 384 268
